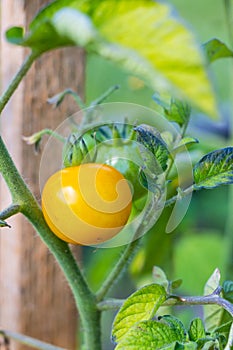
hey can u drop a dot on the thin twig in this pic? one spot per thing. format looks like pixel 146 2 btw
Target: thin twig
pixel 17 79
pixel 126 256
pixel 114 304
pixel 184 193
pixel 23 339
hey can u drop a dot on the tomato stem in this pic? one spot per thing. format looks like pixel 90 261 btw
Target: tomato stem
pixel 127 255
pixel 118 269
pixel 17 79
pixel 26 202
pixel 85 300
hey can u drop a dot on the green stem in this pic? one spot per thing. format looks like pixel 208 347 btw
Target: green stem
pixel 35 139
pixel 17 79
pixel 118 269
pixel 110 304
pixel 105 95
pixel 85 300
pixel 173 199
pixel 127 255
pixel 28 341
pixel 58 99
pixel 78 99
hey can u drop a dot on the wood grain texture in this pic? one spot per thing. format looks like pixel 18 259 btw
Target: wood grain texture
pixel 35 298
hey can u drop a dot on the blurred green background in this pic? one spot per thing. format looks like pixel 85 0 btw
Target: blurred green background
pixel 199 243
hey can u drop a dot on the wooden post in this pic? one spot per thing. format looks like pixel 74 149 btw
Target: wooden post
pixel 34 296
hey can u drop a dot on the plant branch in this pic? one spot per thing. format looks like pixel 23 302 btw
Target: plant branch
pixel 118 269
pixel 105 95
pixel 23 339
pixel 206 300
pixel 29 207
pixel 114 304
pixel 17 79
pixel 110 304
pixel 36 138
pixel 58 98
pixel 180 195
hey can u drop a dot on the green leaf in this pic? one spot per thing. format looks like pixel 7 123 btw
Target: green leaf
pixel 66 26
pixel 228 290
pixel 150 138
pixel 164 54
pixel 148 335
pixel 216 49
pixel 214 169
pixel 178 112
pixel 176 283
pixel 164 44
pixel 141 305
pixel 176 325
pixel 15 35
pixel 196 330
pixel 160 277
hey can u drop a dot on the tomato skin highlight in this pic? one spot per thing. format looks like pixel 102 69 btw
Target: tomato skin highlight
pixel 86 204
pixel 123 159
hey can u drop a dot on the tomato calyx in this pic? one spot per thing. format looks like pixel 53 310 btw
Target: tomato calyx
pixel 79 148
pixel 138 152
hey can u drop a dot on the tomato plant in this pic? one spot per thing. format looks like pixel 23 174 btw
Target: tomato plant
pixel 86 204
pixel 91 199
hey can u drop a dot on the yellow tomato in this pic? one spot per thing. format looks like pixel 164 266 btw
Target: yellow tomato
pixel 86 204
